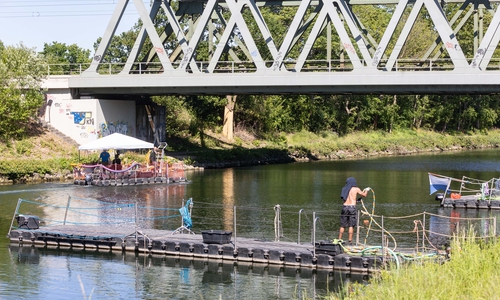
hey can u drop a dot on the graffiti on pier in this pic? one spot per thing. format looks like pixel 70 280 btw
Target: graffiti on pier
pixel 63 108
pixel 113 127
pixel 82 118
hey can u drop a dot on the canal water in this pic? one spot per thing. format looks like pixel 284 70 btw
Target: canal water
pixel 400 187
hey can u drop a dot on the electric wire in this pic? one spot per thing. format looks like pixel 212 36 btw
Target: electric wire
pixel 51 9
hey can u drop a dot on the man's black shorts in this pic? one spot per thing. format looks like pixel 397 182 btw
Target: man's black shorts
pixel 348 216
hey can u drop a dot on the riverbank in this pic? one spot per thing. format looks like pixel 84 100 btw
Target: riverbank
pixel 305 146
pixel 48 157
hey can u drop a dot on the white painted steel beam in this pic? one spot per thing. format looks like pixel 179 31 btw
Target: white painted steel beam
pixel 108 34
pixel 269 82
pixel 489 44
pixel 180 70
pixel 139 42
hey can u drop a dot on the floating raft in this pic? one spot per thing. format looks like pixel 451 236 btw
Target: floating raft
pixel 472 202
pixel 151 241
pixel 136 173
pixel 130 181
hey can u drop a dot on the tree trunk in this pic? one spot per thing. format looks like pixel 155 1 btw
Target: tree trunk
pixel 228 125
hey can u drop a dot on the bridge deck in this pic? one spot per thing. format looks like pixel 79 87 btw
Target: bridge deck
pixel 355 82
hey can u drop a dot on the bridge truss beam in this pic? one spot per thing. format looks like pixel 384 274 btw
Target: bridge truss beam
pixel 227 47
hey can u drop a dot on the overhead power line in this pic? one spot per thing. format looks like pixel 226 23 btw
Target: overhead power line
pixel 72 8
pixel 36 14
pixel 16 9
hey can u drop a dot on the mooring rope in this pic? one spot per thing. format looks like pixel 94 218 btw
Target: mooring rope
pixel 372 219
pixel 416 229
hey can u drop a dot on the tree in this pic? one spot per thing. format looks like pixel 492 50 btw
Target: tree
pixel 63 59
pixel 120 47
pixel 21 95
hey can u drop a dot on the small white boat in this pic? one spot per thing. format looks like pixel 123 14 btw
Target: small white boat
pixel 465 192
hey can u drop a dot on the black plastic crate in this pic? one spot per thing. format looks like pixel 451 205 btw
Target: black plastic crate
pixel 327 247
pixel 28 222
pixel 216 236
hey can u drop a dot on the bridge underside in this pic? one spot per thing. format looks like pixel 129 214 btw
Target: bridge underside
pixel 121 87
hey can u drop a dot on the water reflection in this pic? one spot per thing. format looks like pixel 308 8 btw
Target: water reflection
pixel 401 185
pixel 228 198
pixel 174 278
pixel 450 222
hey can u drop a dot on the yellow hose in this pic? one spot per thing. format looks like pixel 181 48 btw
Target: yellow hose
pixel 372 220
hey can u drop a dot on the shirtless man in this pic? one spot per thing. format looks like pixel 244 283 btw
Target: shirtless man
pixel 348 216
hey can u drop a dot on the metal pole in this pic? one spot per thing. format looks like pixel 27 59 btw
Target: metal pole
pixel 161 161
pixel 278 220
pixel 234 225
pixel 182 220
pixel 136 230
pixel 298 238
pixel 14 216
pixel 67 208
pixel 357 228
pixel 383 243
pixel 277 223
pixel 494 227
pixel 314 234
pixel 423 232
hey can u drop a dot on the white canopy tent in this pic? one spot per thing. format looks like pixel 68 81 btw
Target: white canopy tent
pixel 117 141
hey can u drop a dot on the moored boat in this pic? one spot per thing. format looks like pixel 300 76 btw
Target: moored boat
pixel 132 174
pixel 155 170
pixel 466 192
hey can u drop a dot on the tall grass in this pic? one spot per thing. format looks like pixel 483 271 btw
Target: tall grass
pixel 382 143
pixel 473 272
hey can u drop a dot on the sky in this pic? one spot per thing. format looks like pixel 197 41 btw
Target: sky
pixel 81 22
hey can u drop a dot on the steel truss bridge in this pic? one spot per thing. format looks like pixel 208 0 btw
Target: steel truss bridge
pixel 241 54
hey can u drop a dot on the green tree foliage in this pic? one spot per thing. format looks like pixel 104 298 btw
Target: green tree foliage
pixel 120 46
pixel 21 74
pixel 207 111
pixel 64 59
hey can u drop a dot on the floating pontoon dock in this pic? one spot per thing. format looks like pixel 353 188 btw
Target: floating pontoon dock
pixel 95 238
pixel 94 225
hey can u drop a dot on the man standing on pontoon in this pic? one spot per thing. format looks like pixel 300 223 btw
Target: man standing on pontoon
pixel 348 216
pixel 104 157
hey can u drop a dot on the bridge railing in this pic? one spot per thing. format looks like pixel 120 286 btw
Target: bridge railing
pixel 344 65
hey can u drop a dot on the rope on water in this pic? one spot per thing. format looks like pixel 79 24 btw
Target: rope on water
pixel 157 208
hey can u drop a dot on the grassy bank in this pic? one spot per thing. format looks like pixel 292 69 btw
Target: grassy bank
pixel 471 273
pixel 46 155
pixel 382 143
pixel 328 146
